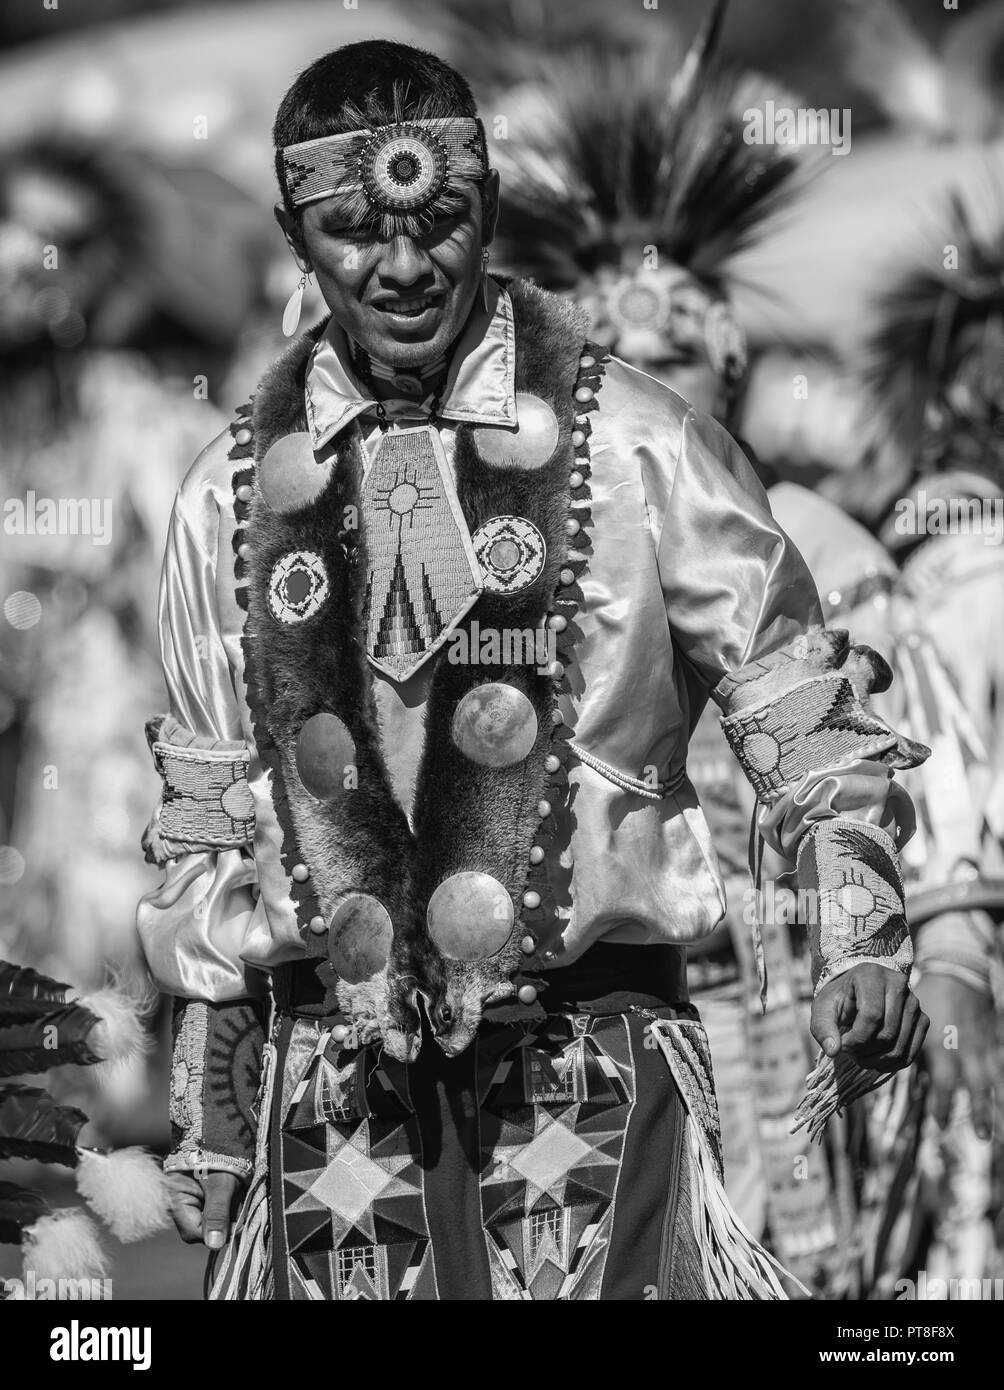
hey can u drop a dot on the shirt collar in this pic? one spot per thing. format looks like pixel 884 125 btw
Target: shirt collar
pixel 479 385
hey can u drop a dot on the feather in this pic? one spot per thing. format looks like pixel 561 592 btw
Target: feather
pixel 701 50
pixel 26 994
pixel 885 56
pixel 19 1209
pixel 120 1035
pixel 609 157
pixel 49 1040
pixel 64 1245
pixel 929 323
pixel 492 42
pixel 126 1189
pixel 32 1125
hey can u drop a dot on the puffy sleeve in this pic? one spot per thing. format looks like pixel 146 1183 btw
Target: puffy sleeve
pixel 193 925
pixel 745 617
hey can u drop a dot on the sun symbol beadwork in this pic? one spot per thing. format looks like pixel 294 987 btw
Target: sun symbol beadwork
pixel 297 586
pixel 511 553
pixel 403 167
pixel 633 302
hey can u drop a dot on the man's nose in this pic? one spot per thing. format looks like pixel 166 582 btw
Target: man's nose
pixel 404 261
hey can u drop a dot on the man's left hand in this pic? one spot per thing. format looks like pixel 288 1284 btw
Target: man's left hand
pixel 870 1013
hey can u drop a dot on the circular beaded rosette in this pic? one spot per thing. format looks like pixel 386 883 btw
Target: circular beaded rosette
pixel 634 302
pixel 511 553
pixel 297 586
pixel 403 167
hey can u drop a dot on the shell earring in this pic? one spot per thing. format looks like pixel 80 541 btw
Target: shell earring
pixel 294 304
pixel 485 255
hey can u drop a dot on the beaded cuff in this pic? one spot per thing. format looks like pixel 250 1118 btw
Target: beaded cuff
pixel 215 1074
pixel 848 873
pixel 805 705
pixel 206 802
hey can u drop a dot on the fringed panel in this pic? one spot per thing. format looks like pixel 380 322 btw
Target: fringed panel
pixel 735 1264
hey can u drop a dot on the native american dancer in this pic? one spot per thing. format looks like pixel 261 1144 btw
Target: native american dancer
pixel 439 612
pixel 667 192
pixel 936 383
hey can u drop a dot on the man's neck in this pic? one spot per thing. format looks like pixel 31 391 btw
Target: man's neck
pixel 392 383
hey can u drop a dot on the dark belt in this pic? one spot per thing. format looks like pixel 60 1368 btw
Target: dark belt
pixel 606 979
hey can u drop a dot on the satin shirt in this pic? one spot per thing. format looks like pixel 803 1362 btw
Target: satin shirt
pixel 688 579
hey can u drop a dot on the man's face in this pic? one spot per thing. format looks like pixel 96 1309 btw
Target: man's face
pixel 406 299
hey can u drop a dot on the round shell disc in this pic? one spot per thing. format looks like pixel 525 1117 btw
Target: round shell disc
pixel 511 553
pixel 297 586
pixel 359 937
pixel 324 749
pixel 470 916
pixel 495 725
pixel 290 476
pixel 530 444
pixel 403 167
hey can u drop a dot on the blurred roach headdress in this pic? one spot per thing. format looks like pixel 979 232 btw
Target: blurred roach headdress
pixel 935 362
pixel 631 183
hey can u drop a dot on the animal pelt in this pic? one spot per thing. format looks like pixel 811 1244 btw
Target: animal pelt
pixel 127 1189
pixel 467 816
pixel 64 1245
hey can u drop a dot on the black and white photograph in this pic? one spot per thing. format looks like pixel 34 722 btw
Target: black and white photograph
pixel 502 668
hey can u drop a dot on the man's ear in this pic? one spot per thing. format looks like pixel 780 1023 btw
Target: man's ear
pixel 489 207
pixel 294 236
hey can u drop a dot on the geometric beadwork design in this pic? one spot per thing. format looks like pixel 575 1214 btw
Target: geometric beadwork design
pixel 399 168
pixel 553 1121
pixel 403 167
pixel 554 1100
pixel 511 553
pixel 421 573
pixel 849 873
pixel 297 587
pixel 817 723
pixel 206 802
pixel 352 1182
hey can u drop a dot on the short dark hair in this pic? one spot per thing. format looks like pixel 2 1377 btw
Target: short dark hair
pixel 383 81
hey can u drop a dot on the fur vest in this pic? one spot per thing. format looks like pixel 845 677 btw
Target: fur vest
pixel 360 876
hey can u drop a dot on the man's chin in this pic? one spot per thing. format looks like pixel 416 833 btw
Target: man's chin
pixel 398 345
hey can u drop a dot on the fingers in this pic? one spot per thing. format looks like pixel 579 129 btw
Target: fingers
pixel 897 1042
pixel 920 1030
pixel 895 1038
pixel 220 1190
pixel 871 1013
pixel 185 1197
pixel 828 1010
pixel 877 1017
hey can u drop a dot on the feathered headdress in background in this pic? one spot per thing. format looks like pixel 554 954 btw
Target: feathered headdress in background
pixel 934 365
pixel 952 92
pixel 631 182
pixel 44 1024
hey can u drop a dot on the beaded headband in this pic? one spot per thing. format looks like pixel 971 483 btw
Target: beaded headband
pixel 393 169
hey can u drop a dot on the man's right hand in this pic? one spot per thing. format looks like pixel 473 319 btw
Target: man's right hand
pixel 203 1208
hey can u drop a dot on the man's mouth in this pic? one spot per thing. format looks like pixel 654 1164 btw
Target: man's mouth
pixel 412 307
